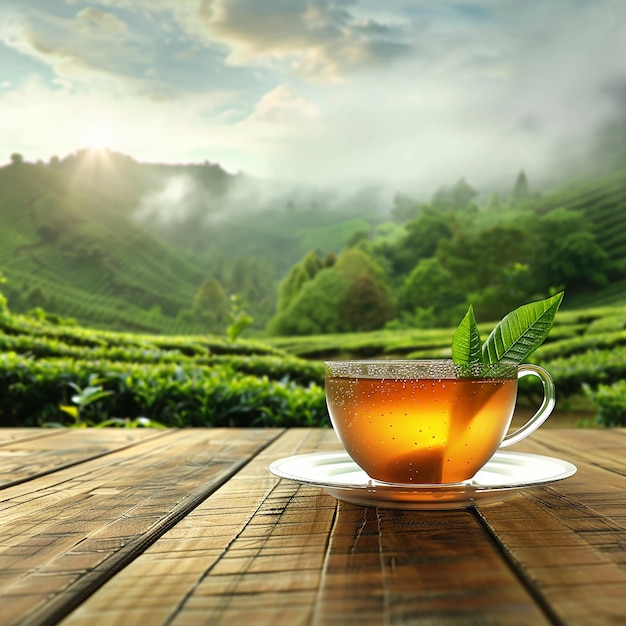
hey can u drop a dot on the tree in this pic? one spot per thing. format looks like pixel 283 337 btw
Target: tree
pixel 421 240
pixel 462 194
pixel 290 286
pixel 500 261
pixel 405 208
pixel 494 203
pixel 430 286
pixel 211 304
pixel 457 197
pixel 368 305
pixel 317 309
pixel 570 256
pixel 253 281
pixel 577 260
pixel 354 262
pixel 312 263
pixel 357 238
pixel 330 260
pixel 475 260
pixel 521 189
pixel 298 276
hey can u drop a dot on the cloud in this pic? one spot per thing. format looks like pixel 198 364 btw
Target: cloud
pixel 93 43
pixel 422 91
pixel 97 21
pixel 319 40
pixel 282 106
pixel 481 100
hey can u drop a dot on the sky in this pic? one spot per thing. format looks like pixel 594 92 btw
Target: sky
pixel 311 90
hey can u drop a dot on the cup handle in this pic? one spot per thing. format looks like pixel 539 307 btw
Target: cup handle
pixel 542 414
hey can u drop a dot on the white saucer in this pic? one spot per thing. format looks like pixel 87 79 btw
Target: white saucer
pixel 503 475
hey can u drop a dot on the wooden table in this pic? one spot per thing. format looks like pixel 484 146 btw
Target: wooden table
pixel 186 527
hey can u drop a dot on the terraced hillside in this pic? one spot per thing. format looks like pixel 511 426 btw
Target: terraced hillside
pixel 604 203
pixel 52 373
pixel 77 254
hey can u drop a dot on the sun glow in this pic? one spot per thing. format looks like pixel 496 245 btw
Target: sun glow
pixel 97 137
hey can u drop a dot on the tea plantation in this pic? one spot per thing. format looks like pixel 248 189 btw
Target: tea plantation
pixel 55 374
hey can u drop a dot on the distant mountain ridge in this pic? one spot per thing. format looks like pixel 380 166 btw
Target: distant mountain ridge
pixel 119 244
pixel 73 249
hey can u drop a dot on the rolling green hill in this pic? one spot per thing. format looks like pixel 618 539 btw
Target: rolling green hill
pixel 124 245
pixel 103 240
pixel 74 252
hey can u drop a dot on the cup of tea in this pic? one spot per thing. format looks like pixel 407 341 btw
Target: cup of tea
pixel 427 421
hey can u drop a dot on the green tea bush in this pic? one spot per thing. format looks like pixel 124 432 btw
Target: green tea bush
pixel 608 323
pixel 581 344
pixel 204 380
pixel 610 401
pixel 593 367
pixel 171 394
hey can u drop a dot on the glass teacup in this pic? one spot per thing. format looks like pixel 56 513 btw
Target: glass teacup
pixel 430 421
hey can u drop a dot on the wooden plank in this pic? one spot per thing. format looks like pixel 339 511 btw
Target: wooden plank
pixel 63 534
pixel 410 567
pixel 226 531
pixel 269 551
pixel 28 454
pixel 569 539
pixel 11 435
pixel 603 448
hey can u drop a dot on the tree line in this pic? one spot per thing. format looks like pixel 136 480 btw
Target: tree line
pixel 449 254
pixel 420 268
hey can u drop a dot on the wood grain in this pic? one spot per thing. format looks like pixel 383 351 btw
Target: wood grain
pixel 252 549
pixel 63 534
pixel 266 551
pixel 189 527
pixel 568 540
pixel 28 453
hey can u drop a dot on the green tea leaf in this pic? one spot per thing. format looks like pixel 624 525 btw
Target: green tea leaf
pixel 466 343
pixel 521 332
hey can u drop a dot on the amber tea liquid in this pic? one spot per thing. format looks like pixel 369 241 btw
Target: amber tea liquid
pixel 420 430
